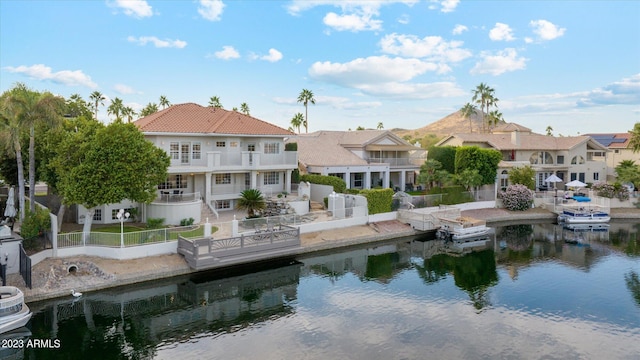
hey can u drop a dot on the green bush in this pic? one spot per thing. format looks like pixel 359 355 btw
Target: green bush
pixel 155 223
pixel 378 200
pixel 338 184
pixel 187 222
pixel 35 223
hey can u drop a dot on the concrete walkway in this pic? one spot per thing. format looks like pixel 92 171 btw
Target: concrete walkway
pixel 51 278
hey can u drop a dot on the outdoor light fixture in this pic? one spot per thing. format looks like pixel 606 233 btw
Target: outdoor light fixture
pixel 122 216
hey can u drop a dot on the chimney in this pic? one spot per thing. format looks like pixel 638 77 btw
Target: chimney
pixel 515 137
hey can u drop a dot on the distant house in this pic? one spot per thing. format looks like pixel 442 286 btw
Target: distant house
pixel 215 155
pixel 570 158
pixel 364 159
pixel 619 145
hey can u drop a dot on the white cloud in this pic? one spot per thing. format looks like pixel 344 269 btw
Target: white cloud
pixel 135 8
pixel 501 32
pixel 123 89
pixel 404 19
pixel 546 30
pixel 144 40
pixel 211 9
pixel 503 61
pixel 626 91
pixel 431 47
pixel 227 53
pixel 374 69
pixel 352 22
pixel 65 77
pixel 449 5
pixel 459 29
pixel 274 56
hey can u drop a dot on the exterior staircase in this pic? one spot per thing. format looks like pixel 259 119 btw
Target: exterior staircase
pixel 206 212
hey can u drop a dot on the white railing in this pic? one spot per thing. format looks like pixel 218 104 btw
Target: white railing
pixel 173 196
pixel 127 239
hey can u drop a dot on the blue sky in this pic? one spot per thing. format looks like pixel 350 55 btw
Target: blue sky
pixel 571 65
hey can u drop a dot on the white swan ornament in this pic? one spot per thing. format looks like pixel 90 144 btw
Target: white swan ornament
pixel 76 294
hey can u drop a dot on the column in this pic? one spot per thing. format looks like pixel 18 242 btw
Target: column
pixel 367 179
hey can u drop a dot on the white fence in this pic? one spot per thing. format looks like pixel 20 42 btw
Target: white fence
pixel 127 239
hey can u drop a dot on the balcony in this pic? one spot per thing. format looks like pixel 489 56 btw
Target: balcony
pixel 251 160
pixel 397 161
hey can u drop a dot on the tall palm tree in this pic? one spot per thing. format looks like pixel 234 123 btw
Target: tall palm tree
pixel 306 97
pixel 380 126
pixel 29 108
pixel 252 201
pixel 549 130
pixel 467 110
pixel 128 113
pixel 494 118
pixel 634 141
pixel 98 99
pixel 483 96
pixel 244 108
pixel 214 102
pixel 116 108
pixel 297 121
pixel 164 102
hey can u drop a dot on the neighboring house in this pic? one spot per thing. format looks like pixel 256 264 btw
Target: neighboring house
pixel 215 155
pixel 619 145
pixel 364 159
pixel 570 158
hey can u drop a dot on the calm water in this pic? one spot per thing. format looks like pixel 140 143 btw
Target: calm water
pixel 525 293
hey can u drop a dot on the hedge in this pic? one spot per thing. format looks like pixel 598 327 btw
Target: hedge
pixel 339 186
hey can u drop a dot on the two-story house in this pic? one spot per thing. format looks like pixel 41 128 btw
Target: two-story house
pixel 568 157
pixel 364 159
pixel 619 145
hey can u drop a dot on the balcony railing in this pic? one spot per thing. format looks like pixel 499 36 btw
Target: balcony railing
pixel 396 161
pixel 174 196
pixel 250 160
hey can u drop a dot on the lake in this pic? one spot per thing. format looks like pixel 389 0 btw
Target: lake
pixel 524 292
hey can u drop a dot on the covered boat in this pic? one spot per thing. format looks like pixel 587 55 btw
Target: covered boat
pixel 14 313
pixel 583 216
pixel 461 228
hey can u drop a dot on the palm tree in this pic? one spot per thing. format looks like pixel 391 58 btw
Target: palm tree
pixel 252 201
pixel 634 141
pixel 128 113
pixel 467 110
pixel 214 102
pixel 494 118
pixel 297 121
pixel 26 108
pixel 549 130
pixel 306 97
pixel 98 99
pixel 235 108
pixel 151 108
pixel 380 126
pixel 116 108
pixel 164 102
pixel 244 108
pixel 483 95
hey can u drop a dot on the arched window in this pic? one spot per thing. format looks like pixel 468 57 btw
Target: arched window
pixel 541 157
pixel 577 160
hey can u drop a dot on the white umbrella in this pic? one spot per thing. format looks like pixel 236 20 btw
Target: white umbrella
pixel 10 209
pixel 576 184
pixel 553 178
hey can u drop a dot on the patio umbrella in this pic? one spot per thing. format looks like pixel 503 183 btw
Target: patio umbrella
pixel 10 209
pixel 554 179
pixel 576 184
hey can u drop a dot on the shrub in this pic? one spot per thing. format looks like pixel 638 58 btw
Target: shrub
pixel 610 191
pixel 338 184
pixel 378 200
pixel 35 223
pixel 155 223
pixel 187 222
pixel 517 197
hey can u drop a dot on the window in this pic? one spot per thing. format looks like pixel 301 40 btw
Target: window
pixel 223 178
pixel 251 147
pixel 271 178
pixel 581 177
pixel 173 182
pixel 574 176
pixel 184 153
pixel 577 160
pixel 541 157
pixel 504 179
pixel 221 144
pixel 616 151
pixel 596 176
pixel 233 144
pixel 271 148
pixel 357 180
pixel 97 215
pixel 223 204
pixel 196 151
pixel 173 150
pixel 560 159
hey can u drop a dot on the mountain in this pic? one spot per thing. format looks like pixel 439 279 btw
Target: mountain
pixel 450 124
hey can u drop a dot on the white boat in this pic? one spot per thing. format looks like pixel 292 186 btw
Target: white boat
pixel 14 313
pixel 583 216
pixel 461 228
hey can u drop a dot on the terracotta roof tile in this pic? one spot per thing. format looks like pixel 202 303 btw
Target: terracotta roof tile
pixel 193 118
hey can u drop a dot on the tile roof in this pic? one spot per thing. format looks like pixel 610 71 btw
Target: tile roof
pixel 509 127
pixel 193 119
pixel 612 140
pixel 530 141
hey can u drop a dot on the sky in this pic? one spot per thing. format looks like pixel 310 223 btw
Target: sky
pixel 571 65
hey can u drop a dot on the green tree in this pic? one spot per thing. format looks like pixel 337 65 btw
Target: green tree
pixel 469 179
pixel 214 102
pixel 549 130
pixel 628 171
pixel 380 126
pixel 128 113
pixel 484 160
pixel 252 201
pixel 305 97
pixel 244 108
pixel 483 95
pixel 76 106
pixel 116 108
pixel 524 175
pixel 151 108
pixel 634 141
pixel 98 99
pixel 118 164
pixel 494 118
pixel 446 155
pixel 467 111
pixel 297 121
pixel 164 102
pixel 431 174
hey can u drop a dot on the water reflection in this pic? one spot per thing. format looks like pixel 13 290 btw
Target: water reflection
pixel 396 300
